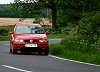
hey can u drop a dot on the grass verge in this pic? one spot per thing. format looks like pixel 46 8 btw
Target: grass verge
pixel 5 38
pixel 56 35
pixel 59 50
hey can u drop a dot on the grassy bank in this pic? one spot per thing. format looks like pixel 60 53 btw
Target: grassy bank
pixel 64 51
pixel 4 36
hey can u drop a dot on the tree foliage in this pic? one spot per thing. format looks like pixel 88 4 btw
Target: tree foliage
pixel 5 11
pixel 83 14
pixel 30 6
pixel 11 11
pixel 73 10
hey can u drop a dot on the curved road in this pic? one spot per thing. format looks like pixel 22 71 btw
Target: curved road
pixel 38 63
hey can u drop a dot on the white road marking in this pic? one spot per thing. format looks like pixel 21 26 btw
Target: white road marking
pixel 74 61
pixel 16 68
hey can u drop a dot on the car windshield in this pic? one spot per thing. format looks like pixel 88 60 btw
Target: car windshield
pixel 29 30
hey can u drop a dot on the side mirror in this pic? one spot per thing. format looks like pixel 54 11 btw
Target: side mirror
pixel 47 33
pixel 10 32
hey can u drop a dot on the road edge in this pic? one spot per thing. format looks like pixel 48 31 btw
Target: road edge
pixel 74 61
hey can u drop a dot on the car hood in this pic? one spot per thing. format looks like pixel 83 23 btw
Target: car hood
pixel 31 36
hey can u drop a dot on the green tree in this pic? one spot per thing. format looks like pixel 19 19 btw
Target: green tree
pixel 85 14
pixel 30 6
pixel 73 10
pixel 6 11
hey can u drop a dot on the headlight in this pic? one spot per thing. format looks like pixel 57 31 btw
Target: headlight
pixel 44 40
pixel 18 40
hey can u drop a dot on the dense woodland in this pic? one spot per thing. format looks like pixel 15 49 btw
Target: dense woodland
pixel 8 11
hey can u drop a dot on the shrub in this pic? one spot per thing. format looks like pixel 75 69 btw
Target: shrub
pixel 81 46
pixel 3 32
pixel 37 20
pixel 89 28
pixel 56 49
pixel 5 29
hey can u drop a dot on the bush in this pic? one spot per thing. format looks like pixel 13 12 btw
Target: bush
pixel 3 32
pixel 81 46
pixel 5 38
pixel 57 49
pixel 5 29
pixel 89 28
pixel 37 20
pixel 63 30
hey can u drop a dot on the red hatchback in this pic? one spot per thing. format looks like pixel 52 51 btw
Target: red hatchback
pixel 29 38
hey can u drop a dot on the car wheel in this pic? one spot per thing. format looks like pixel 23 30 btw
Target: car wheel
pixel 22 52
pixel 13 51
pixel 10 50
pixel 46 52
pixel 40 52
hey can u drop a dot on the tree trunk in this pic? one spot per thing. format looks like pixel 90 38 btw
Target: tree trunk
pixel 54 16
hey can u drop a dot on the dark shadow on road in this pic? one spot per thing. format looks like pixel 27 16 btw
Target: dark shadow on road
pixel 27 53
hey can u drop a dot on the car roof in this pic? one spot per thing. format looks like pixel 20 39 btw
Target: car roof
pixel 27 24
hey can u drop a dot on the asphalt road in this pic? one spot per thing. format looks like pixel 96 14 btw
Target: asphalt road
pixel 38 63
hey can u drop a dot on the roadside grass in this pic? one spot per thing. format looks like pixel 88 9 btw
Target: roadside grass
pixel 4 36
pixel 56 35
pixel 61 51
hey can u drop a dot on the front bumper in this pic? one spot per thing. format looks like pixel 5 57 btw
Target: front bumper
pixel 21 46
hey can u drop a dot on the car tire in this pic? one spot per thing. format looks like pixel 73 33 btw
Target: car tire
pixel 13 51
pixel 22 52
pixel 46 52
pixel 10 50
pixel 40 52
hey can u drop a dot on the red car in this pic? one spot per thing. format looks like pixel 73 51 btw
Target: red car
pixel 29 38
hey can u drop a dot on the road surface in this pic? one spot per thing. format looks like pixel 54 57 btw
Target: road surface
pixel 38 63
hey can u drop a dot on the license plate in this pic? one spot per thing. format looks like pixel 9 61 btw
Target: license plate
pixel 31 45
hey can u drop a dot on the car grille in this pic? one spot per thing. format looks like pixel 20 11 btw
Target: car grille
pixel 31 41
